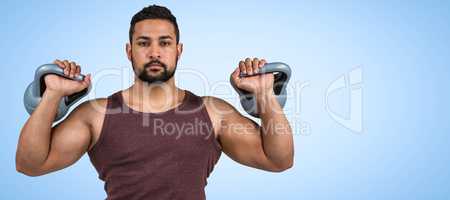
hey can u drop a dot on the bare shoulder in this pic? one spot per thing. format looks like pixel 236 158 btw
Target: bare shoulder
pixel 218 106
pixel 225 112
pixel 220 112
pixel 90 110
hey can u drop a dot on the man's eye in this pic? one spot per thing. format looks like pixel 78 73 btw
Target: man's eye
pixel 163 43
pixel 143 44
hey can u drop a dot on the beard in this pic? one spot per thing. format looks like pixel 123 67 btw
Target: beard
pixel 159 78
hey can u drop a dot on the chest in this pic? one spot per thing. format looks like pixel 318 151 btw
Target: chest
pixel 134 139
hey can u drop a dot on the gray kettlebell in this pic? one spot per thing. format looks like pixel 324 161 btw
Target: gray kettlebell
pixel 282 74
pixel 35 90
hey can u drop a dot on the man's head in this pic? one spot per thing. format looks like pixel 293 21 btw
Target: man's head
pixel 154 47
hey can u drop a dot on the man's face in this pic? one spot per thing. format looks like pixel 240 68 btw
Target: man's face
pixel 154 53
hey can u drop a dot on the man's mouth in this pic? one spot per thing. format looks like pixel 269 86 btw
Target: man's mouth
pixel 155 68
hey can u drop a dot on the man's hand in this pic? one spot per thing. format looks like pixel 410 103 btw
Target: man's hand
pixel 63 86
pixel 258 84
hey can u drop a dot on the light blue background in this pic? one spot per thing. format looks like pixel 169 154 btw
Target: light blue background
pixel 402 48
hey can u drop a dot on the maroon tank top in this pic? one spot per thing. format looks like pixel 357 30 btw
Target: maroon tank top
pixel 166 155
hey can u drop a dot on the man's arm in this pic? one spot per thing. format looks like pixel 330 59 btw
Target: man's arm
pixel 268 147
pixel 42 149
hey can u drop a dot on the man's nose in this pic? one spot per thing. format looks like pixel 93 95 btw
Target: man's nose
pixel 154 52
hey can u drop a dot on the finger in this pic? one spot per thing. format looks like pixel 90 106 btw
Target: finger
pixel 73 69
pixel 255 64
pixel 66 67
pixel 78 71
pixel 235 74
pixel 87 81
pixel 242 67
pixel 262 62
pixel 59 64
pixel 248 66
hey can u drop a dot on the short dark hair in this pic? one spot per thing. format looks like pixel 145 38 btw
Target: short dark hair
pixel 154 12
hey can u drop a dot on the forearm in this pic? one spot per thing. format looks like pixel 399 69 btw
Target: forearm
pixel 276 131
pixel 35 137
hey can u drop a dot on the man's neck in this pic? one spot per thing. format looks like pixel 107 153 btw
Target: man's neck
pixel 154 97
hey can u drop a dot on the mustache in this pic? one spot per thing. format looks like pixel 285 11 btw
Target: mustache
pixel 153 62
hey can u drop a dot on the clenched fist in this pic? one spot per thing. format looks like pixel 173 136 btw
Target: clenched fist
pixel 63 86
pixel 256 84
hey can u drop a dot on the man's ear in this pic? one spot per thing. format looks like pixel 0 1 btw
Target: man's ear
pixel 179 49
pixel 128 51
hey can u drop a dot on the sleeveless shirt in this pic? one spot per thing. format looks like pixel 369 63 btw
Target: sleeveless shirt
pixel 165 155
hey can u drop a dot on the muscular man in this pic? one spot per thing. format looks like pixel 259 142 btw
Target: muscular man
pixel 155 140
